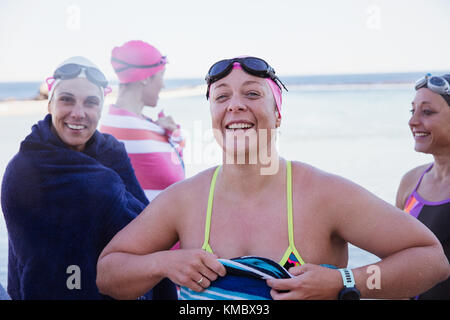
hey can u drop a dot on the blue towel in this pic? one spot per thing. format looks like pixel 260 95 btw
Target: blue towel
pixel 61 208
pixel 245 280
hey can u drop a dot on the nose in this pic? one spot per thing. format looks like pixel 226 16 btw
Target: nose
pixel 77 110
pixel 236 104
pixel 414 120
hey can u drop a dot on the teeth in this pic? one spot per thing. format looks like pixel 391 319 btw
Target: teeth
pixel 420 134
pixel 239 126
pixel 75 127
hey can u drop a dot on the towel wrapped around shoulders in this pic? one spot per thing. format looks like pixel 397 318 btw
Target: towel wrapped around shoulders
pixel 61 208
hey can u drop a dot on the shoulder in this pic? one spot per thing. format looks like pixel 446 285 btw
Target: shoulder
pixel 186 194
pixel 408 183
pixel 317 180
pixel 328 193
pixel 190 188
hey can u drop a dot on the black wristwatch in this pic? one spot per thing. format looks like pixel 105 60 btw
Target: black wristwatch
pixel 349 292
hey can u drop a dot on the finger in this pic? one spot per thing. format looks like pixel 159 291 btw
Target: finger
pixel 201 284
pixel 213 264
pixel 298 270
pixel 208 273
pixel 280 284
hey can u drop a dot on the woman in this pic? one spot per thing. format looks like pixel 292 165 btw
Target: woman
pixel 67 192
pixel 424 192
pixel 154 147
pixel 298 216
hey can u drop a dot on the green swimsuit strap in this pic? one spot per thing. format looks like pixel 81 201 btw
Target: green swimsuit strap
pixel 206 245
pixel 290 212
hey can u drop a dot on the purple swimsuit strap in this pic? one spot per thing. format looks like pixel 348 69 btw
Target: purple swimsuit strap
pixel 421 177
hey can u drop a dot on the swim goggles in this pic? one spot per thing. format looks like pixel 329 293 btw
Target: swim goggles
pixel 73 70
pixel 435 83
pixel 137 66
pixel 252 65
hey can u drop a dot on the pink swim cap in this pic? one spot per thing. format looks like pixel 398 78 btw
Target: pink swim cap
pixel 276 91
pixel 136 60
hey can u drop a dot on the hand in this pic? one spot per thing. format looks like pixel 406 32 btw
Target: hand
pixel 167 123
pixel 193 268
pixel 310 281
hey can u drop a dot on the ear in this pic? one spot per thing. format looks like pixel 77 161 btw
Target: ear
pixel 48 107
pixel 278 118
pixel 278 122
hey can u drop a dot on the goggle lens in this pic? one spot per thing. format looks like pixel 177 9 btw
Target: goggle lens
pixel 72 70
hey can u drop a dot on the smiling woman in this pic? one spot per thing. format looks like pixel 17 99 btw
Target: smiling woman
pixel 75 107
pixel 295 217
pixel 67 192
pixel 424 192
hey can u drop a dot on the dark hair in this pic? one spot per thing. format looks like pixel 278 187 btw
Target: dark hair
pixel 447 97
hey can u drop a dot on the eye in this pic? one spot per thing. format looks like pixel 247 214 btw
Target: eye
pixel 428 112
pixel 221 97
pixel 412 111
pixel 66 99
pixel 253 94
pixel 92 102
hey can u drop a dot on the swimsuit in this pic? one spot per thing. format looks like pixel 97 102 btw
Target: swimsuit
pixel 291 256
pixel 246 276
pixel 156 155
pixel 436 216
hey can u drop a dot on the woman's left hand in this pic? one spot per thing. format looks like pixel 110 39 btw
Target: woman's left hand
pixel 167 123
pixel 310 281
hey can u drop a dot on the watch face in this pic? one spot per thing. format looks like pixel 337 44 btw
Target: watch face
pixel 349 294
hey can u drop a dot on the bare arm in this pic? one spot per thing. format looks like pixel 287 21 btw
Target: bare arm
pixel 137 258
pixel 412 258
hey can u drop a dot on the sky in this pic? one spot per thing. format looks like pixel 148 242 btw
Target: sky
pixel 296 37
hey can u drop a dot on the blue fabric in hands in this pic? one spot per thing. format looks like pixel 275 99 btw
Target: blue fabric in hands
pixel 245 280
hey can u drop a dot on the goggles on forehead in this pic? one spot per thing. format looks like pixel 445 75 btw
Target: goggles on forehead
pixel 73 70
pixel 252 65
pixel 436 84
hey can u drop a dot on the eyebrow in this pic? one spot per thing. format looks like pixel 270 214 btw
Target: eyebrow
pixel 422 102
pixel 67 93
pixel 246 83
pixel 72 95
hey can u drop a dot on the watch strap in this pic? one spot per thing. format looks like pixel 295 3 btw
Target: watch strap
pixel 347 277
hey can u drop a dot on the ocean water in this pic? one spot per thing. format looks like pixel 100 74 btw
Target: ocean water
pixel 359 133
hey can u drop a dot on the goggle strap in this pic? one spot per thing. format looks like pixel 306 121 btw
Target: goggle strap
pixel 137 66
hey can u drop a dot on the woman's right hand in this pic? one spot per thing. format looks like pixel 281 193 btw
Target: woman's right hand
pixel 193 268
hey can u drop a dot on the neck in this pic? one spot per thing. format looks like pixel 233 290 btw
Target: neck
pixel 252 176
pixel 441 167
pixel 130 100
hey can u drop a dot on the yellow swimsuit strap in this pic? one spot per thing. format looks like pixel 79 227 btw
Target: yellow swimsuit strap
pixel 206 245
pixel 291 249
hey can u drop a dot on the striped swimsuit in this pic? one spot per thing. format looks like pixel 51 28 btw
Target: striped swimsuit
pixel 155 156
pixel 244 286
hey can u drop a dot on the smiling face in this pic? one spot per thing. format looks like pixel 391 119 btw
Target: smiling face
pixel 242 109
pixel 75 107
pixel 430 122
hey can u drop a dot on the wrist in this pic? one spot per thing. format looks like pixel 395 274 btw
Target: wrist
pixel 158 266
pixel 349 290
